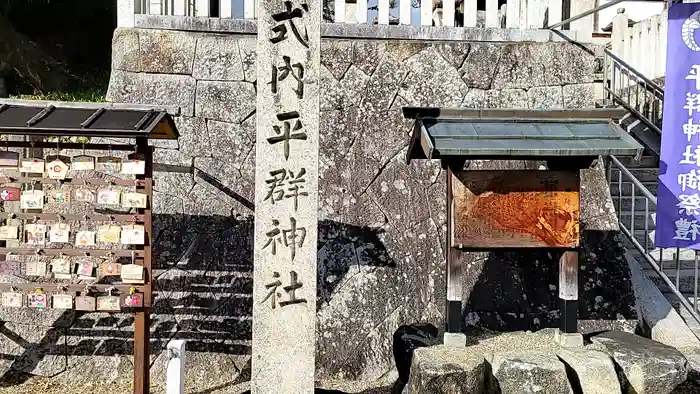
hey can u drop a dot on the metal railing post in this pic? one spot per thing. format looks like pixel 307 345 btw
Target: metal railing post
pixel 657 266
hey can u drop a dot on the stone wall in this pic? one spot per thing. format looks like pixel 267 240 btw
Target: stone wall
pixel 381 238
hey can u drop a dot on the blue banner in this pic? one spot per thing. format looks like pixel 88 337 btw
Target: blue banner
pixel 678 207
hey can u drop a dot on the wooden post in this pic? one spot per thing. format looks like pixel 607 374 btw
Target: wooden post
pixel 249 9
pixel 339 11
pixel 361 14
pixel 180 7
pixel 383 12
pixel 661 48
pixel 513 14
pixel 225 10
pixel 492 14
pixel 201 8
pixel 554 12
pixel 426 12
pixel 142 318
pixel 405 12
pixel 568 291
pixel 453 312
pixel 448 13
pixel 534 12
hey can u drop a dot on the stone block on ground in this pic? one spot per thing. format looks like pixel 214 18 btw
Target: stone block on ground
pixel 449 370
pixel 529 372
pixel 645 366
pixel 693 356
pixel 569 339
pixel 594 370
pixel 407 338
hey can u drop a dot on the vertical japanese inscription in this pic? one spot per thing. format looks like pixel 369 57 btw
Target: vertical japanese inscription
pixel 678 203
pixel 286 194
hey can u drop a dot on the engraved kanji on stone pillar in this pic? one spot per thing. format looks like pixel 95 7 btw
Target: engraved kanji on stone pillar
pixel 286 197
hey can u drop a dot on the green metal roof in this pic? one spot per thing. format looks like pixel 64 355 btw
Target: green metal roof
pixel 496 133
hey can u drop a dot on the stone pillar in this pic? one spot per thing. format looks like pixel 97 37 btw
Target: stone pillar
pixel 620 34
pixel 125 13
pixel 351 11
pixel 584 26
pixel 286 197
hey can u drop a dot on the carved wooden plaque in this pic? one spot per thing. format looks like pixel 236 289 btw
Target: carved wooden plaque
pixel 515 209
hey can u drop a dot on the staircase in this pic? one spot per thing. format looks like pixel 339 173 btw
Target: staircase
pixel 646 172
pixel 633 187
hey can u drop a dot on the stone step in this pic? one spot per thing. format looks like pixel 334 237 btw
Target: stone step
pixel 642 133
pixel 684 272
pixel 642 235
pixel 669 266
pixel 645 174
pixel 686 281
pixel 640 204
pixel 639 217
pixel 693 324
pixel 686 256
pixel 644 161
pixel 628 186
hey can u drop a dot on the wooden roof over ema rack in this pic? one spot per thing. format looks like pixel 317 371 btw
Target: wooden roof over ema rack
pixel 57 119
pixel 507 134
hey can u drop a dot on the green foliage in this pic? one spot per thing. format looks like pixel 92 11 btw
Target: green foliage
pixel 90 88
pixel 96 94
pixel 79 140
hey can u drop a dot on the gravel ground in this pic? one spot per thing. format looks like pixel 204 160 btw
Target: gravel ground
pixel 44 386
pixel 38 385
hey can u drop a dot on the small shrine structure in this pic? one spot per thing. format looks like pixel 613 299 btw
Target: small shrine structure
pixel 491 210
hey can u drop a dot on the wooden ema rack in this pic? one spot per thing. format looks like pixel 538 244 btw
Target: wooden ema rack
pixel 40 124
pixel 142 254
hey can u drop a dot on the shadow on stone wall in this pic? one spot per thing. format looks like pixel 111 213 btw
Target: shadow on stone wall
pixel 517 289
pixel 203 267
pixel 203 282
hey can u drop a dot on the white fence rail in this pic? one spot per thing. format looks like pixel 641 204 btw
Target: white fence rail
pixel 642 45
pixel 514 14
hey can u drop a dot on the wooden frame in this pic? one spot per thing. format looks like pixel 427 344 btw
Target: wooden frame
pixel 36 120
pixel 454 250
pixel 515 209
pixel 142 254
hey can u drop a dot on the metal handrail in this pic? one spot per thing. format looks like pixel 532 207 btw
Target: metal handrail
pixel 586 13
pixel 620 72
pixel 633 110
pixel 635 72
pixel 634 180
pixel 644 249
